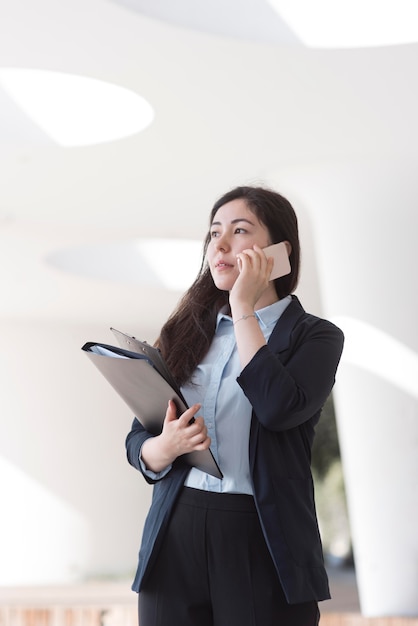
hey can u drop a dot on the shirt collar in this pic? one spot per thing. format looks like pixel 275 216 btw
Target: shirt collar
pixel 267 316
pixel 270 314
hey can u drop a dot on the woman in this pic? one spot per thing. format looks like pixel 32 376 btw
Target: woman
pixel 255 370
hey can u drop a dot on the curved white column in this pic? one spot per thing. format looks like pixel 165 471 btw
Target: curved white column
pixel 364 233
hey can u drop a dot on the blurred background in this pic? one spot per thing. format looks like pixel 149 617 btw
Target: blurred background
pixel 121 122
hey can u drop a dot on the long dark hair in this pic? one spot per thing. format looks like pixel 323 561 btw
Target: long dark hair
pixel 186 336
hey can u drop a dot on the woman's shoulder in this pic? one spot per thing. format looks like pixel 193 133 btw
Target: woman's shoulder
pixel 299 323
pixel 304 317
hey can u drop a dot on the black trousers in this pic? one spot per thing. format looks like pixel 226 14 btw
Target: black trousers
pixel 214 569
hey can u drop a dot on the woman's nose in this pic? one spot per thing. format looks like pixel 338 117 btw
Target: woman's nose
pixel 221 243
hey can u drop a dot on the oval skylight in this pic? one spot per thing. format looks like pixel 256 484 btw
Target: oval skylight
pixel 350 23
pixel 316 24
pixel 162 263
pixel 76 110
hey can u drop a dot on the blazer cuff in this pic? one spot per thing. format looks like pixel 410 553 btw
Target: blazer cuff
pixel 153 476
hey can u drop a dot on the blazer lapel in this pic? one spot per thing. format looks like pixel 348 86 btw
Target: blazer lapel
pixel 280 337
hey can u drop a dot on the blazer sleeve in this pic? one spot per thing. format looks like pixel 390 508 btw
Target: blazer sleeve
pixel 136 437
pixel 289 388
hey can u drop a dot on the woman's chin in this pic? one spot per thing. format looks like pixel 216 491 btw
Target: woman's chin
pixel 224 285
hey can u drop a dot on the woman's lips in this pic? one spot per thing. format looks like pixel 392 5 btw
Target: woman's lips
pixel 223 266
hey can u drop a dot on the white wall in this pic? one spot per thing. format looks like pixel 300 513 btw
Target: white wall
pixel 72 507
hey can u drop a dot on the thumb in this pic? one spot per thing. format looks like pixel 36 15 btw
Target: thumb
pixel 171 413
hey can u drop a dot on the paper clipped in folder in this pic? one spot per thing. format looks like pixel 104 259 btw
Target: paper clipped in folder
pixel 141 378
pixel 145 349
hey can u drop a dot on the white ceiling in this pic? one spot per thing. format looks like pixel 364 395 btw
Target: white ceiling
pixel 238 106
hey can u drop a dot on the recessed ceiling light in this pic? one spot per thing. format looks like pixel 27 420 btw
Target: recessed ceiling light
pixel 76 110
pixel 350 23
pixel 172 264
pixel 176 262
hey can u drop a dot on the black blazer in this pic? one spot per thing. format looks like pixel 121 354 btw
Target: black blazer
pixel 287 383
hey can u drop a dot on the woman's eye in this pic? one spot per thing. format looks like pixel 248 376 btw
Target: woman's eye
pixel 214 233
pixel 240 231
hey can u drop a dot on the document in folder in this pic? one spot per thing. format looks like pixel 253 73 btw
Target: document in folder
pixel 141 378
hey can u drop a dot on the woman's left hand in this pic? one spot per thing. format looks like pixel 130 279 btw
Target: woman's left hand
pixel 253 279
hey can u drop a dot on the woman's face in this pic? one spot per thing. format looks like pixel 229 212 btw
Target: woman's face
pixel 234 229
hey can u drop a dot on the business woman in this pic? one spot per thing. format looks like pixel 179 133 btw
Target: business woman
pixel 255 369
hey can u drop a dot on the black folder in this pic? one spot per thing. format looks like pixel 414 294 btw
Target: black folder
pixel 139 374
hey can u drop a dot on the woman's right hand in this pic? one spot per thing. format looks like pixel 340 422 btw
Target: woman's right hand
pixel 178 437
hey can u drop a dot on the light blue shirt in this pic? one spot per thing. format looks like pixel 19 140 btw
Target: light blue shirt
pixel 225 408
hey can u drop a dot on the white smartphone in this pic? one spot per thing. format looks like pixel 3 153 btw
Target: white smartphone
pixel 281 265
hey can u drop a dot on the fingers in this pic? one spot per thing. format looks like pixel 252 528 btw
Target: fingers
pixel 195 433
pixel 188 416
pixel 270 264
pixel 198 438
pixel 254 260
pixel 189 432
pixel 184 434
pixel 196 430
pixel 253 256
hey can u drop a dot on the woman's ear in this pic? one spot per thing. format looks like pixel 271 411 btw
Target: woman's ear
pixel 288 247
